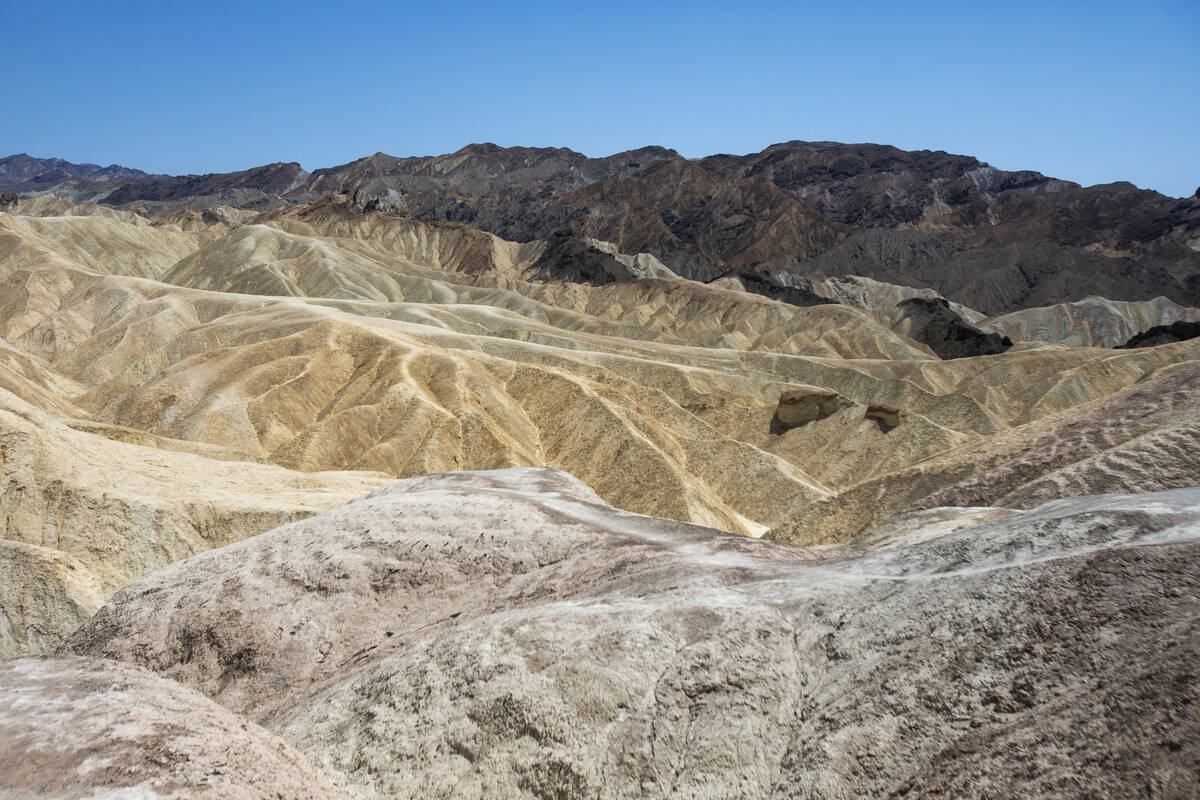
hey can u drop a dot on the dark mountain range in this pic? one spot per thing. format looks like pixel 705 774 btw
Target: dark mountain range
pixel 247 189
pixel 25 173
pixel 486 170
pixel 994 240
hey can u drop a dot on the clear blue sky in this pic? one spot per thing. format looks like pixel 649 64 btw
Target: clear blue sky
pixel 1091 92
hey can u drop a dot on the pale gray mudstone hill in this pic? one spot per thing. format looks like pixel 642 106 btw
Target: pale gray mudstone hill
pixel 508 634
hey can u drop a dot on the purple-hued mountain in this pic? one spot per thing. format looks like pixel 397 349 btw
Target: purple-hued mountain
pixel 991 239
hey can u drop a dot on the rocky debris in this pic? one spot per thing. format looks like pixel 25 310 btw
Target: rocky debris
pixel 88 728
pixel 1163 334
pixel 508 634
pixel 800 406
pixel 8 202
pixel 933 323
pixel 885 416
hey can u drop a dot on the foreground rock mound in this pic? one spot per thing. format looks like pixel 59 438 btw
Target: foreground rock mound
pixel 507 634
pixel 80 727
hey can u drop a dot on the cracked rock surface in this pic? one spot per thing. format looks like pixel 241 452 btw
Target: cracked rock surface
pixel 508 634
pixel 90 728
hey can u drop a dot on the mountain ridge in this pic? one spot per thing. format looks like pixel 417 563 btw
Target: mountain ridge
pixel 991 239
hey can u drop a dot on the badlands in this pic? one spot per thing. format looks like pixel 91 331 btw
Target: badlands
pixel 310 488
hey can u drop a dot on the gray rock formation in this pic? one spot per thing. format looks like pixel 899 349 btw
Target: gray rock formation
pixel 1091 322
pixel 507 634
pixel 91 728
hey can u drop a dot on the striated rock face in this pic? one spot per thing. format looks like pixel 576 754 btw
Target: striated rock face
pixel 507 634
pixel 932 322
pixel 83 513
pixel 1091 322
pixel 87 728
pixel 800 406
pixel 885 416
pixel 1141 439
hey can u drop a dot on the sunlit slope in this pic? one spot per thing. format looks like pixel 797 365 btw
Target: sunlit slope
pixel 321 338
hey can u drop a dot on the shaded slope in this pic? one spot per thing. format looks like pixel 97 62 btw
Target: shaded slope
pixel 934 323
pixel 1178 331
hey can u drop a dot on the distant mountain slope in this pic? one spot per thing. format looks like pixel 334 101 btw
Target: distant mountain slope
pixel 480 169
pixel 994 240
pixel 26 173
pixel 259 185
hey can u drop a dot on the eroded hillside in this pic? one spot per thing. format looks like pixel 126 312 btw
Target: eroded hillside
pixel 196 366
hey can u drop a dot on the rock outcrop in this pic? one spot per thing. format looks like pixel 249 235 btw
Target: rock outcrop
pixel 1091 322
pixel 885 416
pixel 89 728
pixel 801 406
pixel 507 633
pixel 569 258
pixel 934 323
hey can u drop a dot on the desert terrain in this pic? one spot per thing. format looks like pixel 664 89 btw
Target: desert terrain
pixel 827 471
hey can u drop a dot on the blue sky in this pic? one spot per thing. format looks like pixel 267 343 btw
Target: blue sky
pixel 1092 92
